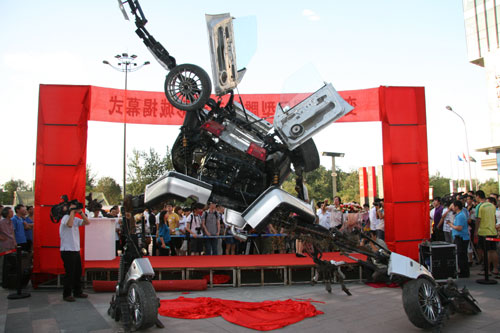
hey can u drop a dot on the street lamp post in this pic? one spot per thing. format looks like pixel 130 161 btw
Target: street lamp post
pixel 334 173
pixel 126 64
pixel 449 108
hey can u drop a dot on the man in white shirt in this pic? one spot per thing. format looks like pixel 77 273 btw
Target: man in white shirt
pixel 70 253
pixel 336 214
pixel 373 217
pixel 323 216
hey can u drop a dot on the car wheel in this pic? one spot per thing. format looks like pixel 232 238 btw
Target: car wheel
pixel 422 303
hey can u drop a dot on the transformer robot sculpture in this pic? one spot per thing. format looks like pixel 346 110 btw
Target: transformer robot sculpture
pixel 228 155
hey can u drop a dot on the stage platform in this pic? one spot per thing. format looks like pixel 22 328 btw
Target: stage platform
pixel 243 270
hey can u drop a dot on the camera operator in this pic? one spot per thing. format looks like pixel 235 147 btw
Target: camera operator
pixel 70 252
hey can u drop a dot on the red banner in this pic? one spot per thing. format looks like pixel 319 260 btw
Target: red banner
pixel 146 107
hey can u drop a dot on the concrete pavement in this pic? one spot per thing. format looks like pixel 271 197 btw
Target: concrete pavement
pixel 367 310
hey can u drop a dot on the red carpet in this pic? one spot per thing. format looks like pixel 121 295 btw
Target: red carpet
pixel 227 261
pixel 262 316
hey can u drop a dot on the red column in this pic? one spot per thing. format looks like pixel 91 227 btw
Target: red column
pixel 406 174
pixel 60 166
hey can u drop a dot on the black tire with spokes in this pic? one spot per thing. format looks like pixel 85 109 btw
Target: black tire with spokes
pixel 422 303
pixel 142 304
pixel 188 87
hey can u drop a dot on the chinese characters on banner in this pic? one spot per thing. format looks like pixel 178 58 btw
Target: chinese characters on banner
pixel 146 107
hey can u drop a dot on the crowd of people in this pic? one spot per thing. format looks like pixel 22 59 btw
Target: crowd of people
pixel 16 229
pixel 468 221
pixel 179 231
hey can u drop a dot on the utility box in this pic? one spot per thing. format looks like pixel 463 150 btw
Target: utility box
pixel 440 258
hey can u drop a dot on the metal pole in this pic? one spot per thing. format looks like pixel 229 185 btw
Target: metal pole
pixel 125 133
pixel 468 155
pixel 334 178
pixel 467 146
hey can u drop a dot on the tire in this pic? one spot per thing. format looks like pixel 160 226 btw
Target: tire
pixel 307 156
pixel 422 303
pixel 142 304
pixel 188 87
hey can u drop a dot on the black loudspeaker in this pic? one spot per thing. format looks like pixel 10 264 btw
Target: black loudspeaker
pixel 440 258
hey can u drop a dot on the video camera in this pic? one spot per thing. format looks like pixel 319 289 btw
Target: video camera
pixel 58 211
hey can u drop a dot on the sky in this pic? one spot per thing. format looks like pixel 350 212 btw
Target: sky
pixel 355 44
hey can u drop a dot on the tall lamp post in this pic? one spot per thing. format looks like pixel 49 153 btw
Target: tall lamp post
pixel 125 64
pixel 334 172
pixel 449 108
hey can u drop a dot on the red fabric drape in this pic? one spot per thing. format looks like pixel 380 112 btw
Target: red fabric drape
pixel 262 316
pixel 147 107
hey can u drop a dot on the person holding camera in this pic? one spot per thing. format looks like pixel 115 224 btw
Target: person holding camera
pixel 70 251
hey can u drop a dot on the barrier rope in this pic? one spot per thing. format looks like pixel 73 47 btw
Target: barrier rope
pixel 7 252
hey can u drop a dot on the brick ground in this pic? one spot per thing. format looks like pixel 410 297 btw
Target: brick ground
pixel 368 310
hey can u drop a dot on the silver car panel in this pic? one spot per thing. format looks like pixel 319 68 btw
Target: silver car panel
pixel 301 122
pixel 174 184
pixel 404 266
pixel 260 124
pixel 140 267
pixel 222 52
pixel 239 138
pixel 232 217
pixel 272 200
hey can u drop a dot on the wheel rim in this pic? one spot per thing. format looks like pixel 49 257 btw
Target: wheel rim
pixel 185 87
pixel 429 302
pixel 134 306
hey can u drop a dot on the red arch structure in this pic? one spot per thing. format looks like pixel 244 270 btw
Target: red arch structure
pixel 64 112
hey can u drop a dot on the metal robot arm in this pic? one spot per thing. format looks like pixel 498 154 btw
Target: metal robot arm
pixel 156 48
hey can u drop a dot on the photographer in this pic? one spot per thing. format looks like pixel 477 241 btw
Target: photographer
pixel 70 251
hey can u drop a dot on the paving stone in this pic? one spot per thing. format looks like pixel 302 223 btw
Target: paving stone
pixel 45 325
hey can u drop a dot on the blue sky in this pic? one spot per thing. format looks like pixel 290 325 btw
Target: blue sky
pixel 352 44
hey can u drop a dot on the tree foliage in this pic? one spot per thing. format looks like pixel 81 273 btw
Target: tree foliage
pixel 319 184
pixel 90 179
pixel 440 185
pixel 110 188
pixel 146 167
pixel 489 186
pixel 13 185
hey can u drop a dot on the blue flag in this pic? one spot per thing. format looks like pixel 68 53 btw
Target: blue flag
pixel 459 158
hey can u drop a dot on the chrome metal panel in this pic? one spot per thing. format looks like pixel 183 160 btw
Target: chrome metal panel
pixel 169 184
pixel 239 138
pixel 260 124
pixel 139 268
pixel 222 52
pixel 404 266
pixel 267 202
pixel 301 122
pixel 232 217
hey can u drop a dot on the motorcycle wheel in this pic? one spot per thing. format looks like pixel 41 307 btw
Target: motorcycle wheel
pixel 188 87
pixel 142 304
pixel 422 303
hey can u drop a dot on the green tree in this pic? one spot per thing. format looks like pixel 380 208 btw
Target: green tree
pixel 440 185
pixel 12 186
pixel 489 186
pixel 90 179
pixel 110 188
pixel 144 168
pixel 319 184
pixel 348 185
